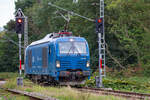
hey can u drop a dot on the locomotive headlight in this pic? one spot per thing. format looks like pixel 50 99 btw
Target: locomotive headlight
pixel 71 40
pixel 88 64
pixel 58 64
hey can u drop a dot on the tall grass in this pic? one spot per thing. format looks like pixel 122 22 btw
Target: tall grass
pixel 67 93
pixel 4 95
pixel 8 75
pixel 11 83
pixel 62 93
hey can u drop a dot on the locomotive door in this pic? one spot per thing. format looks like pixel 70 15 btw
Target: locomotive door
pixel 51 58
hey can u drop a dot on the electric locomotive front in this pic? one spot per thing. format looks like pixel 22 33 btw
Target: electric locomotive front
pixel 72 59
pixel 58 57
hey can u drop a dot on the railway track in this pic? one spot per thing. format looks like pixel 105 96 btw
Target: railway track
pixel 132 95
pixel 32 96
pixel 38 96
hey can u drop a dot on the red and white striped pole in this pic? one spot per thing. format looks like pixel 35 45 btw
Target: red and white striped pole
pixel 19 30
pixel 100 62
pixel 100 42
pixel 20 68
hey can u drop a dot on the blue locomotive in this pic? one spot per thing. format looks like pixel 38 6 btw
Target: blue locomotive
pixel 58 57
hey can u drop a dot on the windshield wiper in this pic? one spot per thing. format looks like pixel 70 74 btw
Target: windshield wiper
pixel 69 50
pixel 73 49
pixel 77 51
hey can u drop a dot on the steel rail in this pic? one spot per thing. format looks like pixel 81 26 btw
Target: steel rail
pixel 115 92
pixel 34 96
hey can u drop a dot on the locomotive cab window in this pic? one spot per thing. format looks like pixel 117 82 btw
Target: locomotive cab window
pixel 45 56
pixel 72 48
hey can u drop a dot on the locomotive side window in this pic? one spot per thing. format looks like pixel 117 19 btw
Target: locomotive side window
pixel 30 58
pixel 44 57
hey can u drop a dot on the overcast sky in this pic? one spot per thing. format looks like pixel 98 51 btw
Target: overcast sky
pixel 7 9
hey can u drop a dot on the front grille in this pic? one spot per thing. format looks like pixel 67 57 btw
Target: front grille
pixel 65 63
pixel 80 63
pixel 73 63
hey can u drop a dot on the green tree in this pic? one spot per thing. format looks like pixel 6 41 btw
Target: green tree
pixel 126 28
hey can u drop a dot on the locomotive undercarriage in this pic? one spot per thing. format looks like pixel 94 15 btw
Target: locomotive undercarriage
pixel 73 76
pixel 42 79
pixel 65 78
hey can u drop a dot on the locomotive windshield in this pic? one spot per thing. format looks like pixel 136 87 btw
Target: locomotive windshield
pixel 72 48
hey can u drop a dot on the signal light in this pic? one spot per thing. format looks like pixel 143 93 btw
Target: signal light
pixel 19 25
pixel 19 20
pixel 99 20
pixel 99 25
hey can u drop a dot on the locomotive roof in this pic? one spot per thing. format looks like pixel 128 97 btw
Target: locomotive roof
pixel 48 38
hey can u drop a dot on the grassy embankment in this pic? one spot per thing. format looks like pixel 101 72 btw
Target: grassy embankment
pixel 126 80
pixel 117 81
pixel 8 75
pixel 8 96
pixel 62 93
pixel 4 95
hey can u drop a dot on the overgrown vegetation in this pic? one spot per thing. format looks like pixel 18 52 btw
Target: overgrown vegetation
pixel 62 93
pixel 118 81
pixel 113 80
pixel 8 96
pixel 8 75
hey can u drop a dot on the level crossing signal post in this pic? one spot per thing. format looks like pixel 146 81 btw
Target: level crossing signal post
pixel 101 42
pixel 20 23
